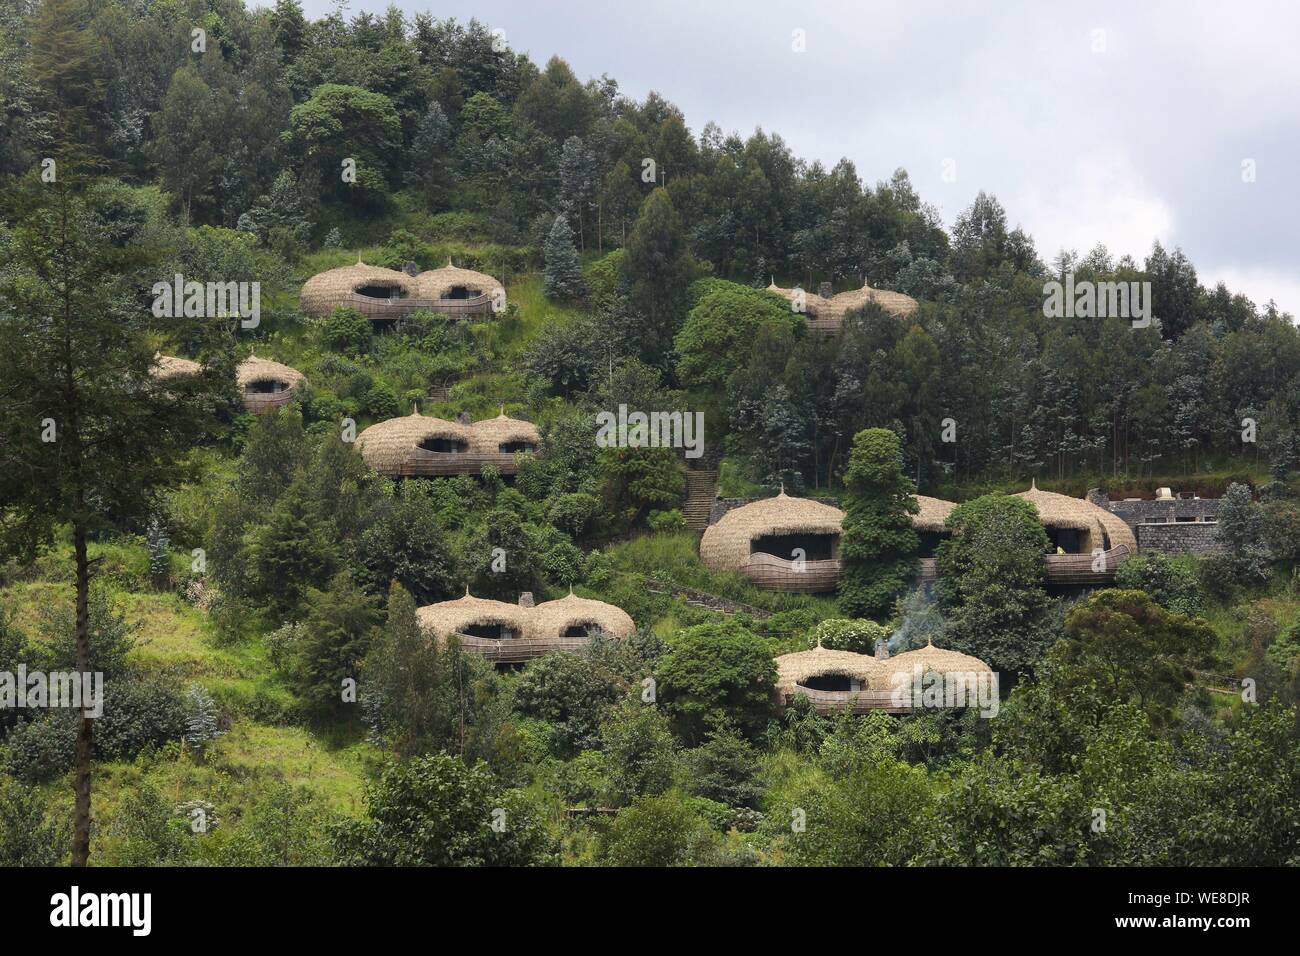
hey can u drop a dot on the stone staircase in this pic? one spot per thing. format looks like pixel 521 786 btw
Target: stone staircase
pixel 701 487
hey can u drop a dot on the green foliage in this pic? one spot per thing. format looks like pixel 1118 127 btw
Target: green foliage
pixel 843 634
pixel 571 693
pixel 1171 584
pixel 339 621
pixel 878 546
pixel 1128 647
pixel 715 339
pixel 640 753
pixel 714 673
pixel 662 830
pixel 563 276
pixel 725 769
pixel 28 837
pixel 990 586
pixel 347 331
pixel 202 726
pixel 439 811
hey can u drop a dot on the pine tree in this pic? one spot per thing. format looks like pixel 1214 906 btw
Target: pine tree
pixel 201 726
pixel 563 278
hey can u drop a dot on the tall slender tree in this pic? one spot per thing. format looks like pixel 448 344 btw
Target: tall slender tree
pixel 87 433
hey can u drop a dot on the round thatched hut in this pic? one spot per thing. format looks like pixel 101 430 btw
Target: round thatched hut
pixel 1088 540
pixel 375 292
pixel 266 385
pixel 170 366
pixel 781 544
pixel 457 291
pixel 416 444
pixel 837 680
pixel 826 677
pixel 420 445
pixel 826 315
pixel 513 633
pixel 503 438
pixel 475 619
pixel 574 619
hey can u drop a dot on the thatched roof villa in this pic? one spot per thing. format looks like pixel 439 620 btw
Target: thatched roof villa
pixel 1077 528
pixel 837 680
pixel 265 384
pixel 424 446
pixel 758 539
pixel 826 314
pixel 512 633
pixel 385 294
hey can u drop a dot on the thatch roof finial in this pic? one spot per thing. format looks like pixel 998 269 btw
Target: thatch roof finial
pixel 466 589
pixel 449 265
pixel 1033 484
pixel 415 408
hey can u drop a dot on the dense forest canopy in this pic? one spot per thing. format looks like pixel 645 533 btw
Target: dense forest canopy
pixel 229 571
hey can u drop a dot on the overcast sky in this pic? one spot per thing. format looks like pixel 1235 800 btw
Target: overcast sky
pixel 1123 123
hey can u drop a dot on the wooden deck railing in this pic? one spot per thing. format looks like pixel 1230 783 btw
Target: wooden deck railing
pixel 518 649
pixel 438 464
pixel 375 308
pixel 1061 568
pixel 779 574
pixel 856 701
pixel 259 403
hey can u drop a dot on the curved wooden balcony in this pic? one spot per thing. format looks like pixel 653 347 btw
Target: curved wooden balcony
pixel 259 403
pixel 515 650
pixel 377 309
pixel 441 464
pixel 771 573
pixel 855 701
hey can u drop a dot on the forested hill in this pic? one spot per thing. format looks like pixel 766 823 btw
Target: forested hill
pixel 245 120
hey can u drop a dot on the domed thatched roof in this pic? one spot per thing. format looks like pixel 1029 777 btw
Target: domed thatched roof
pixel 794 669
pixel 325 291
pixel 448 617
pixel 436 283
pixel 169 366
pixel 488 435
pixel 838 305
pixel 386 445
pixel 932 658
pixel 552 618
pixel 254 369
pixel 725 545
pixel 934 512
pixel 1079 514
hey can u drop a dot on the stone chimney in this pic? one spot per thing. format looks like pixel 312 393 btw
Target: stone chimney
pixel 526 599
pixel 882 650
pixel 825 290
pixel 463 418
pixel 411 269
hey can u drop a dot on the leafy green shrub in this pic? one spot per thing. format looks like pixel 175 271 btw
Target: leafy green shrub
pixel 670 520
pixel 659 830
pixel 42 749
pixel 571 694
pixel 1172 584
pixel 714 673
pixel 844 634
pixel 138 713
pixel 346 330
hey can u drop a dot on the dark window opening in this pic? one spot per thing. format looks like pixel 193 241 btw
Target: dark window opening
pixel 265 386
pixel 829 682
pixel 444 445
pixel 492 632
pixel 381 291
pixel 816 547
pixel 1069 540
pixel 930 541
pixel 580 630
pixel 510 447
pixel 461 292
